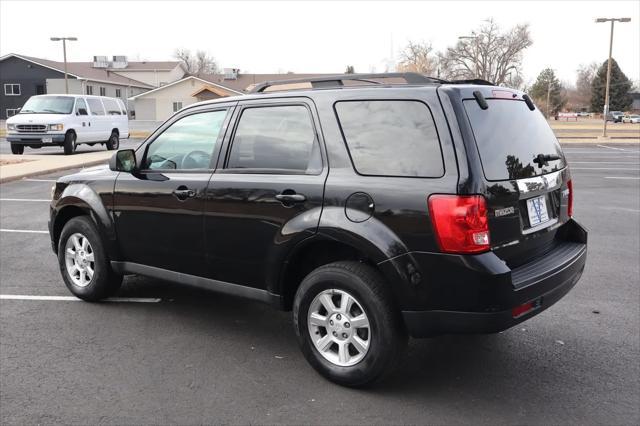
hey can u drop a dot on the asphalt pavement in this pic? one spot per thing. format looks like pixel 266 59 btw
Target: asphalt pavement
pixel 171 354
pixel 5 147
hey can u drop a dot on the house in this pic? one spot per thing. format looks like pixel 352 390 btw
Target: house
pixel 23 76
pixel 160 103
pixel 635 105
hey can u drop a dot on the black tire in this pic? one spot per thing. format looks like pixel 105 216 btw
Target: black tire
pixel 388 337
pixel 17 149
pixel 69 143
pixel 113 142
pixel 104 282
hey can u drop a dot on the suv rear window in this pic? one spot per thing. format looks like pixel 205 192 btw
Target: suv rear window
pixel 391 138
pixel 509 136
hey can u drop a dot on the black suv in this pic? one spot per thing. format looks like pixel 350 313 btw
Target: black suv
pixel 373 206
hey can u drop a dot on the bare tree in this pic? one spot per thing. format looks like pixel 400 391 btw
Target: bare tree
pixel 200 63
pixel 417 57
pixel 584 79
pixel 489 54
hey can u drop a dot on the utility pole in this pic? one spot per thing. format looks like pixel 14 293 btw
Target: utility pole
pixel 64 53
pixel 606 92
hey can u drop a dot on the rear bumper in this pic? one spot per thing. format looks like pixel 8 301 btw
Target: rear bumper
pixel 484 303
pixel 35 138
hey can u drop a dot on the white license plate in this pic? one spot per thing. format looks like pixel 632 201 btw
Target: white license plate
pixel 47 140
pixel 537 208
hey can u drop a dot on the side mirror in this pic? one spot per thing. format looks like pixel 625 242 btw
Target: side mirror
pixel 123 161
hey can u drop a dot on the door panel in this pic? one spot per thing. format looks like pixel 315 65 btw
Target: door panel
pixel 267 195
pixel 159 211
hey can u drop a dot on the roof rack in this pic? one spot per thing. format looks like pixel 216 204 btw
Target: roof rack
pixel 477 81
pixel 333 81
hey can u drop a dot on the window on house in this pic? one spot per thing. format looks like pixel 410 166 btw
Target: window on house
pixel 118 93
pixel 89 90
pixel 177 106
pixel 10 112
pixel 12 89
pixel 103 91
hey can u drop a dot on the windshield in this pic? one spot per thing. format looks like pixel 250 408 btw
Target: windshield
pixel 48 105
pixel 513 141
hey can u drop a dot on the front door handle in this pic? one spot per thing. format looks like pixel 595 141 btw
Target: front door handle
pixel 290 197
pixel 182 193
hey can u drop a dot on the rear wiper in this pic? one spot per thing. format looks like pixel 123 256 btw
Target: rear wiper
pixel 543 159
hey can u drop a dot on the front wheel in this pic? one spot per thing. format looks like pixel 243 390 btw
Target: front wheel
pixel 346 324
pixel 69 143
pixel 113 142
pixel 83 261
pixel 17 149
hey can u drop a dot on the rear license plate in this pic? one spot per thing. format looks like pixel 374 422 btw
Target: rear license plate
pixel 537 208
pixel 47 140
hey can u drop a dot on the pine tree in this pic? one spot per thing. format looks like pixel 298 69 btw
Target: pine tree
pixel 548 82
pixel 619 88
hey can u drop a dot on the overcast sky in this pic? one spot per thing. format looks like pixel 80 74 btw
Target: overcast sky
pixel 266 37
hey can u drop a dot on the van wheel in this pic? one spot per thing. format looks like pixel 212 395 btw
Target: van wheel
pixel 17 149
pixel 83 261
pixel 346 324
pixel 113 142
pixel 69 143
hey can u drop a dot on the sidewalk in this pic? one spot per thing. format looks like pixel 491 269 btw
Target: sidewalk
pixel 32 165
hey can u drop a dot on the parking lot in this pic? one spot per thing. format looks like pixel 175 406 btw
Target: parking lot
pixel 170 354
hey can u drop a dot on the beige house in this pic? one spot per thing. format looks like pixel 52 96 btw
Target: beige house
pixel 160 103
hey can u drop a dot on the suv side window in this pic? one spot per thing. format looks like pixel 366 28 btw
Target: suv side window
pixel 81 107
pixel 187 144
pixel 391 138
pixel 276 138
pixel 96 106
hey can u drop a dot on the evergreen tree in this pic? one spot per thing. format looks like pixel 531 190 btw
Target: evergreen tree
pixel 548 83
pixel 619 88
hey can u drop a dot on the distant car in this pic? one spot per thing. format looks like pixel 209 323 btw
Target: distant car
pixel 635 118
pixel 584 114
pixel 68 121
pixel 615 116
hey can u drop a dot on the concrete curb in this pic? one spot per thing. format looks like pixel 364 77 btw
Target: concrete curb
pixel 51 170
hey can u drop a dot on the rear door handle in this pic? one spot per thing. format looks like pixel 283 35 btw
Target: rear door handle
pixel 182 193
pixel 291 198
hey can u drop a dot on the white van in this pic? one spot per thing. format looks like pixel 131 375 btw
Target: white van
pixel 68 121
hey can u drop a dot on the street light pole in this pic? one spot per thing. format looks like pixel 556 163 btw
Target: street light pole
pixel 64 53
pixel 606 90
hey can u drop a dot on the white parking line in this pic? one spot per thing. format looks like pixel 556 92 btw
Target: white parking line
pixel 602 162
pixel 25 231
pixel 75 299
pixel 611 147
pixel 37 200
pixel 604 168
pixel 621 177
pixel 624 209
pixel 38 180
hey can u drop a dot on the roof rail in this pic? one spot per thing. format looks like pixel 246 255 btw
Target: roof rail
pixel 477 81
pixel 338 80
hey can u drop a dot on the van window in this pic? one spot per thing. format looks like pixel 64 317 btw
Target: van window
pixel 48 105
pixel 81 107
pixel 112 107
pixel 277 138
pixel 509 137
pixel 391 138
pixel 96 106
pixel 122 107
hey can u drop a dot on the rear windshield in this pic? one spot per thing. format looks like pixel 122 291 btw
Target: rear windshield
pixel 510 137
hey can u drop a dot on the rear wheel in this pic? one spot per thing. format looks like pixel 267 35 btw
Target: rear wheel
pixel 83 261
pixel 69 143
pixel 346 324
pixel 113 142
pixel 17 149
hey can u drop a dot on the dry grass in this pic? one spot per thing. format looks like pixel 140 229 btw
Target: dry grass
pixel 7 162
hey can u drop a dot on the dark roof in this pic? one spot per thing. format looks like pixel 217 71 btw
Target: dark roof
pixel 87 71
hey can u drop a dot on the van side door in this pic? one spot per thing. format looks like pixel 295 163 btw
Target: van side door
pixel 98 122
pixel 82 129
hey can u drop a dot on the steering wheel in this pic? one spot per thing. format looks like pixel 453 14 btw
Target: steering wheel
pixel 195 160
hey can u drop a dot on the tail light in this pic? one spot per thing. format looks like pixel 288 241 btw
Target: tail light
pixel 570 201
pixel 460 223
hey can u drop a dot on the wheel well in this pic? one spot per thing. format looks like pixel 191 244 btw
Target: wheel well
pixel 116 131
pixel 309 258
pixel 64 216
pixel 71 131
